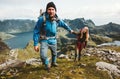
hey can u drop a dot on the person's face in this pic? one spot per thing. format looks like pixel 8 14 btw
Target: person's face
pixel 51 11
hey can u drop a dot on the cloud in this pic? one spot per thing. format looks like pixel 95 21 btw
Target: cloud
pixel 100 11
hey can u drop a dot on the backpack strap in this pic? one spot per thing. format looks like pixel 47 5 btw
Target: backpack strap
pixel 44 20
pixel 42 30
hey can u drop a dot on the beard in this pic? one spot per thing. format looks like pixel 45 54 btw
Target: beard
pixel 52 17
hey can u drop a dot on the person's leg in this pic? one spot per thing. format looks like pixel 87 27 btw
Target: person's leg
pixel 43 54
pixel 79 56
pixel 76 51
pixel 80 50
pixel 77 46
pixel 53 49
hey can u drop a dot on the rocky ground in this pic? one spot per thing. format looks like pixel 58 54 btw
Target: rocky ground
pixel 96 63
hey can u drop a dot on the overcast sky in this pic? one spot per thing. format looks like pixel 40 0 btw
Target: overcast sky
pixel 100 11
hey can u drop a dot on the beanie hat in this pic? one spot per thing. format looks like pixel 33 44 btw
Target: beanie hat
pixel 51 4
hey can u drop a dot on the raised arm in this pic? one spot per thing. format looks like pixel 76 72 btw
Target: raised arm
pixel 76 33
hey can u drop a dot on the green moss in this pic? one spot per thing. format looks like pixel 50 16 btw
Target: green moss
pixel 116 48
pixel 100 39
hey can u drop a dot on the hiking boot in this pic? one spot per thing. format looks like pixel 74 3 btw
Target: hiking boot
pixel 79 58
pixel 75 60
pixel 47 67
pixel 54 65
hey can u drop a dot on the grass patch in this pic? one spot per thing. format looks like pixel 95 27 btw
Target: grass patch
pixel 85 69
pixel 116 48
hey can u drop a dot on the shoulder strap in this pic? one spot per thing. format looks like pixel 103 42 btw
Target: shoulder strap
pixel 44 20
pixel 57 18
pixel 42 31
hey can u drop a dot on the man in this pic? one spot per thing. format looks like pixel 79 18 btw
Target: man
pixel 47 33
pixel 82 38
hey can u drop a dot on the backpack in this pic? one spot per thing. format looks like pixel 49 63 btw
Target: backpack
pixel 42 31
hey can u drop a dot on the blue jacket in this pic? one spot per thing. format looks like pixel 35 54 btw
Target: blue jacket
pixel 50 29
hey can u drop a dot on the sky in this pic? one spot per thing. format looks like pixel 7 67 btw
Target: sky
pixel 99 11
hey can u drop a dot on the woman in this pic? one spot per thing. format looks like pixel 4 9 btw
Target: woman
pixel 82 38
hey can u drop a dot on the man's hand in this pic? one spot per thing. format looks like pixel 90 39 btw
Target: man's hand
pixel 71 31
pixel 36 48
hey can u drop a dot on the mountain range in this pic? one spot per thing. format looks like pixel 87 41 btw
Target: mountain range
pixel 111 30
pixel 20 25
pixel 16 26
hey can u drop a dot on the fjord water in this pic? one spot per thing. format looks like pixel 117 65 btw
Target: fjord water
pixel 20 40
